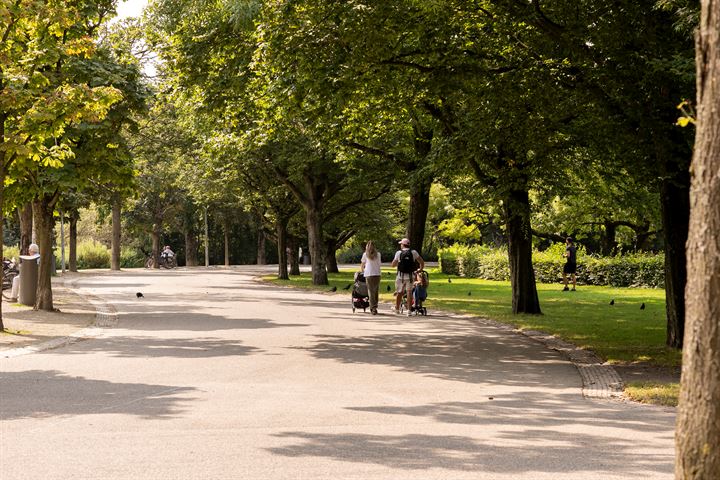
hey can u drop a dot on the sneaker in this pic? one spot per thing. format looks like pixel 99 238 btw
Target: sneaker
pixel 395 310
pixel 409 313
pixel 373 311
pixel 565 289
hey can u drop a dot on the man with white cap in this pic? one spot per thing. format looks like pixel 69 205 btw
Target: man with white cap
pixel 407 262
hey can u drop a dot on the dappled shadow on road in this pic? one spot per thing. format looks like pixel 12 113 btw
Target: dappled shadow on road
pixel 151 347
pixel 50 393
pixel 506 360
pixel 516 433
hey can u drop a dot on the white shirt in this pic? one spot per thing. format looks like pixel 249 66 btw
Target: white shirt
pixel 372 267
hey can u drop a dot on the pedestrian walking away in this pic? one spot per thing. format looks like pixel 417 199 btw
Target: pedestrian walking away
pixel 407 261
pixel 370 266
pixel 570 266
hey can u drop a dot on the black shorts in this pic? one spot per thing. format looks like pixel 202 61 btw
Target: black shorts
pixel 570 267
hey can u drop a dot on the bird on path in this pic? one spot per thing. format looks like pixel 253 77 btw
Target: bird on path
pixel 612 302
pixel 347 287
pixel 642 307
pixel 449 281
pixel 333 289
pixel 388 288
pixel 139 295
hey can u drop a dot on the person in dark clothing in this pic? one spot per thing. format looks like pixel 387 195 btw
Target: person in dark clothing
pixel 570 266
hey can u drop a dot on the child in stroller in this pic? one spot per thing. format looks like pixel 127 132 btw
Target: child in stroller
pixel 360 297
pixel 419 293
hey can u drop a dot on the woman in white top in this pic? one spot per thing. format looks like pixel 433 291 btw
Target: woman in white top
pixel 370 266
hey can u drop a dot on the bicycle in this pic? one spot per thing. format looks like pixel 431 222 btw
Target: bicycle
pixel 10 271
pixel 165 262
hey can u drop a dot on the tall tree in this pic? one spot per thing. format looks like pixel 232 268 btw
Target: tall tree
pixel 698 427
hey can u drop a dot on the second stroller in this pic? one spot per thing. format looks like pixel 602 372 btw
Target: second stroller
pixel 360 297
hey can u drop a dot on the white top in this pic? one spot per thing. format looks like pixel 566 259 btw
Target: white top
pixel 372 267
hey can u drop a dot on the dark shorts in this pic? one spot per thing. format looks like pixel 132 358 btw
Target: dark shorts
pixel 570 267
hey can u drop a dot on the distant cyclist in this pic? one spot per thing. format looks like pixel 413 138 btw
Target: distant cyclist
pixel 167 253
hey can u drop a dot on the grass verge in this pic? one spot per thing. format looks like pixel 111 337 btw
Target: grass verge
pixel 654 393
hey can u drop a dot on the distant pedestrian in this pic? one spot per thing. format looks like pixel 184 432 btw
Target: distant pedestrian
pixel 370 266
pixel 570 266
pixel 407 261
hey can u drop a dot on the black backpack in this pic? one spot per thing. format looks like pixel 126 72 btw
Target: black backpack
pixel 406 264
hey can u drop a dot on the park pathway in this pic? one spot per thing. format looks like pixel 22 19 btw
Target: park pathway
pixel 215 376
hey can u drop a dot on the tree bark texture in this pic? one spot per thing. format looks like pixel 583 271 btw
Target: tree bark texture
pixel 293 257
pixel 72 254
pixel 155 235
pixel 2 203
pixel 115 243
pixel 281 231
pixel 313 219
pixel 191 249
pixel 261 247
pixel 226 237
pixel 607 244
pixel 675 195
pixel 331 257
pixel 522 276
pixel 26 227
pixel 44 223
pixel 698 425
pixel 419 206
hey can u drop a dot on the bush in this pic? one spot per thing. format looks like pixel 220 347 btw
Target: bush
pixel 131 258
pixel 91 254
pixel 11 252
pixel 630 270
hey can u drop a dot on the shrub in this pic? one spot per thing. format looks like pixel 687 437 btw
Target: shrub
pixel 91 254
pixel 11 252
pixel 131 258
pixel 630 270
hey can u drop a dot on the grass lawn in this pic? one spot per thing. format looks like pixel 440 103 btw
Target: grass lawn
pixel 620 334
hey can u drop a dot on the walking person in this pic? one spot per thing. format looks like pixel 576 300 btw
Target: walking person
pixel 370 266
pixel 570 266
pixel 405 260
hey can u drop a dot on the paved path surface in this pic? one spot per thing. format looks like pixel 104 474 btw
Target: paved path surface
pixel 214 376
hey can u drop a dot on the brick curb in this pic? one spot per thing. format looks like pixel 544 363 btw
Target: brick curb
pixel 105 317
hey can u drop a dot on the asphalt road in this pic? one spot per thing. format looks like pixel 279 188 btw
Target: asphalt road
pixel 215 376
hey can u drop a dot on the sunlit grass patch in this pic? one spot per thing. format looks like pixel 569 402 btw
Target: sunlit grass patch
pixel 654 393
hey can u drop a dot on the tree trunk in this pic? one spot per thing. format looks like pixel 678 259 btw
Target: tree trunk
pixel 226 237
pixel 72 255
pixel 293 257
pixel 26 227
pixel 44 223
pixel 313 219
pixel 281 230
pixel 2 202
pixel 675 216
pixel 522 276
pixel 607 244
pixel 155 235
pixel 417 216
pixel 698 425
pixel 115 243
pixel 261 246
pixel 191 249
pixel 330 257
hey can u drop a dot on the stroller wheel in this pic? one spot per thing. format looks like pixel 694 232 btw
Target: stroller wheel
pixel 424 311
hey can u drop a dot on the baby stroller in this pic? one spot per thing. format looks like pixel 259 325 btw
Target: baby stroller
pixel 419 293
pixel 360 297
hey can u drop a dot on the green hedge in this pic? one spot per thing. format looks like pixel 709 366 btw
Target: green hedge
pixel 91 254
pixel 630 270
